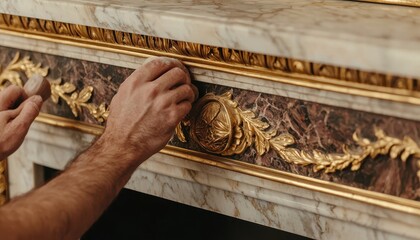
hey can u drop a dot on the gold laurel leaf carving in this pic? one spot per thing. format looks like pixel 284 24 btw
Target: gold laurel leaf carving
pixel 219 126
pixel 12 74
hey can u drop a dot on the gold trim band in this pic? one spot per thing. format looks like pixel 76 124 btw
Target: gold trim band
pixel 365 196
pixel 410 3
pixel 279 69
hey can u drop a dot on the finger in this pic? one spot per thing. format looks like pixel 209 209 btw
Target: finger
pixel 6 116
pixel 196 92
pixel 29 111
pixel 11 97
pixel 180 94
pixel 183 108
pixel 155 67
pixel 171 79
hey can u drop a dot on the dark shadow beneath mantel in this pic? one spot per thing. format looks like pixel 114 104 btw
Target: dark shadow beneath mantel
pixel 135 215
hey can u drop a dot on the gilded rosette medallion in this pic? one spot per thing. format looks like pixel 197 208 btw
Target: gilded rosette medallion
pixel 211 125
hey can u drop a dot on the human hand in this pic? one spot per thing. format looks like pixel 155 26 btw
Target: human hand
pixel 148 106
pixel 17 112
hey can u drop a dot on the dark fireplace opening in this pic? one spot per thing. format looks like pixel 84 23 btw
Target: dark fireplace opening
pixel 135 215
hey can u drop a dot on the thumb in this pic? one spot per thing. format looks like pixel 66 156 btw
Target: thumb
pixel 29 111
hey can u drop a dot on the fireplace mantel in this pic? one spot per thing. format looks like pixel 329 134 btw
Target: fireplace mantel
pixel 320 99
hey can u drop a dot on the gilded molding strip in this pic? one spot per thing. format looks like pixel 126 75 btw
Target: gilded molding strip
pixel 411 3
pixel 67 91
pixel 246 61
pixel 219 126
pixel 3 182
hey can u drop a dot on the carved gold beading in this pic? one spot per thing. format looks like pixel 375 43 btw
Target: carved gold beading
pixel 219 126
pixel 211 54
pixel 67 92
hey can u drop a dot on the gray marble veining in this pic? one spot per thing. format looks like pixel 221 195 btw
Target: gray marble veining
pixel 366 36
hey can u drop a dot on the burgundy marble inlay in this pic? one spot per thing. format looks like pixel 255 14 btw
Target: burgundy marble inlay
pixel 314 126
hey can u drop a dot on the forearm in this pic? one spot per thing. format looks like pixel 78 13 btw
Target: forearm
pixel 66 206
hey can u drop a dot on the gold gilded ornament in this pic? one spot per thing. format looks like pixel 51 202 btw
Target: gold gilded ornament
pixel 219 126
pixel 67 91
pixel 76 100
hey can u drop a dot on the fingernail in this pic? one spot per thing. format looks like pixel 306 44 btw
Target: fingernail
pixel 36 99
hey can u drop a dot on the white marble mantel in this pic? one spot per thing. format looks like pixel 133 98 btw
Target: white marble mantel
pixel 360 35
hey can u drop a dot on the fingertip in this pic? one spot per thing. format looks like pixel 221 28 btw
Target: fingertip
pixel 37 100
pixel 196 92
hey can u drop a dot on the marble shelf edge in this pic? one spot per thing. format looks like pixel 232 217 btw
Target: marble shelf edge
pixel 309 213
pixel 292 36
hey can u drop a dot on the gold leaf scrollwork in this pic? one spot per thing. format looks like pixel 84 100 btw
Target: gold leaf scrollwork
pixel 219 126
pixel 65 91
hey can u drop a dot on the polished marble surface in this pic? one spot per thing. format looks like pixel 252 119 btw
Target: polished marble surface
pixel 366 36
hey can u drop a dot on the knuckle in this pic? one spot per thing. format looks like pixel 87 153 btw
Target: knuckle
pixel 186 108
pixel 156 62
pixel 154 90
pixel 174 117
pixel 187 90
pixel 178 73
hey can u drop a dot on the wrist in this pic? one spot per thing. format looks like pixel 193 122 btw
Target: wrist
pixel 121 151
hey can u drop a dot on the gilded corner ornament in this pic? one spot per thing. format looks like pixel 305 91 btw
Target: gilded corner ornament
pixel 67 92
pixel 219 126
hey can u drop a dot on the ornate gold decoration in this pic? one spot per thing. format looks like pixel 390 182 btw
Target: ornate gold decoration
pixel 11 73
pixel 67 91
pixel 210 54
pixel 3 182
pixel 219 126
pixel 77 100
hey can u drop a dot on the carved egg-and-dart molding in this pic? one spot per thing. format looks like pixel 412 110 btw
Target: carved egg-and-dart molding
pixel 67 92
pixel 219 126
